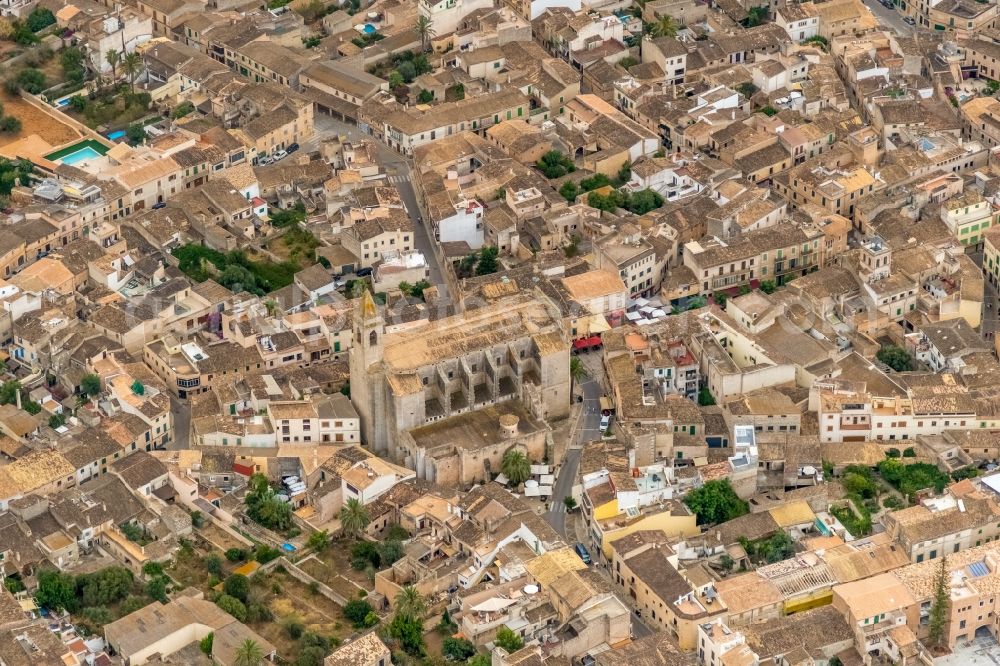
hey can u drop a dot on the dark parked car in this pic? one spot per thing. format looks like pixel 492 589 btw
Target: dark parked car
pixel 292 148
pixel 160 205
pixel 363 272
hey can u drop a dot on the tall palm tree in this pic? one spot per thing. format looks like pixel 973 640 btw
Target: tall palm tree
pixel 425 29
pixel 113 56
pixel 577 372
pixel 354 518
pixel 665 26
pixel 515 466
pixel 410 602
pixel 248 654
pixel 132 65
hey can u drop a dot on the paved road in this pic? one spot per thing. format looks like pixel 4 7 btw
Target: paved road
pixel 586 428
pixel 890 18
pixel 991 301
pixel 182 424
pixel 397 168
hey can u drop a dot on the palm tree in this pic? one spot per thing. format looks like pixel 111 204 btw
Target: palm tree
pixel 248 654
pixel 132 65
pixel 665 26
pixel 410 602
pixel 577 372
pixel 425 29
pixel 515 466
pixel 354 518
pixel 113 57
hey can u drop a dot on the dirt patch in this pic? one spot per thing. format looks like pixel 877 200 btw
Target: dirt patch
pixel 290 600
pixel 33 121
pixel 219 538
pixel 335 563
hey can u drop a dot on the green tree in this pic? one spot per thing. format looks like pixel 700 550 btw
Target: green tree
pixel 715 502
pixel 39 19
pixel 425 97
pixel 756 16
pixel 182 109
pixel 71 62
pixel 515 466
pixel 508 640
pixel 238 586
pixel 264 506
pixel 457 649
pixel 90 385
pixel 665 26
pixel 895 357
pixel 409 632
pixel 395 79
pixel 57 421
pixel 767 286
pixel 939 606
pixel 357 610
pixel 318 541
pixel 424 27
pixel 390 552
pixel 248 654
pixel 480 660
pixel 206 643
pixel 56 591
pixel 354 518
pixel 628 62
pixel 569 190
pixel 487 263
pixel 554 164
pixel 213 564
pixel 236 555
pixel 10 125
pixel 410 602
pixel 705 397
pixel 114 58
pixel 31 80
pixel 104 587
pixel 233 606
pixel 131 66
pixel 569 503
pixel 992 87
pixel 135 133
pixel 156 588
pixel 577 371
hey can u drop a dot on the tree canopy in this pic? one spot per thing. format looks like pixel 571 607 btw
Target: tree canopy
pixel 715 502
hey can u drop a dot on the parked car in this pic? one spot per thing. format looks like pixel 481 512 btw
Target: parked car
pixel 909 20
pixel 582 552
pixel 605 422
pixel 363 272
pixel 280 155
pixel 159 205
pixel 265 160
pixel 292 148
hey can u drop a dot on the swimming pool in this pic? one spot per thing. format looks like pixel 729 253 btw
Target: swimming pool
pixel 81 151
pixel 116 135
pixel 82 155
pixel 370 29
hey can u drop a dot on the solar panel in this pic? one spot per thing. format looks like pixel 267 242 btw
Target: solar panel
pixel 978 569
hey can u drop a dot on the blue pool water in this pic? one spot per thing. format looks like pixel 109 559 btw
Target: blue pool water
pixel 823 529
pixel 116 135
pixel 64 102
pixel 369 29
pixel 82 155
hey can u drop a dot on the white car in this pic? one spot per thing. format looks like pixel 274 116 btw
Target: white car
pixel 279 155
pixel 265 160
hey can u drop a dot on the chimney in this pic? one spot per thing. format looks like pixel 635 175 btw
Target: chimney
pixel 18 398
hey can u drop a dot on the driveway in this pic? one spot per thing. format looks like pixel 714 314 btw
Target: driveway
pixel 982 651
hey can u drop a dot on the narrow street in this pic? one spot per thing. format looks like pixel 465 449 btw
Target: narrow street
pixel 397 169
pixel 890 18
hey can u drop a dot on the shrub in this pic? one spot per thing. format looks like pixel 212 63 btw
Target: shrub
pixel 232 606
pixel 206 643
pixel 457 649
pixel 265 554
pixel 508 640
pixel 356 611
pixel 238 586
pixel 236 555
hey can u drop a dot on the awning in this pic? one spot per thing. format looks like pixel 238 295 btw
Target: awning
pixel 581 344
pixel 492 605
